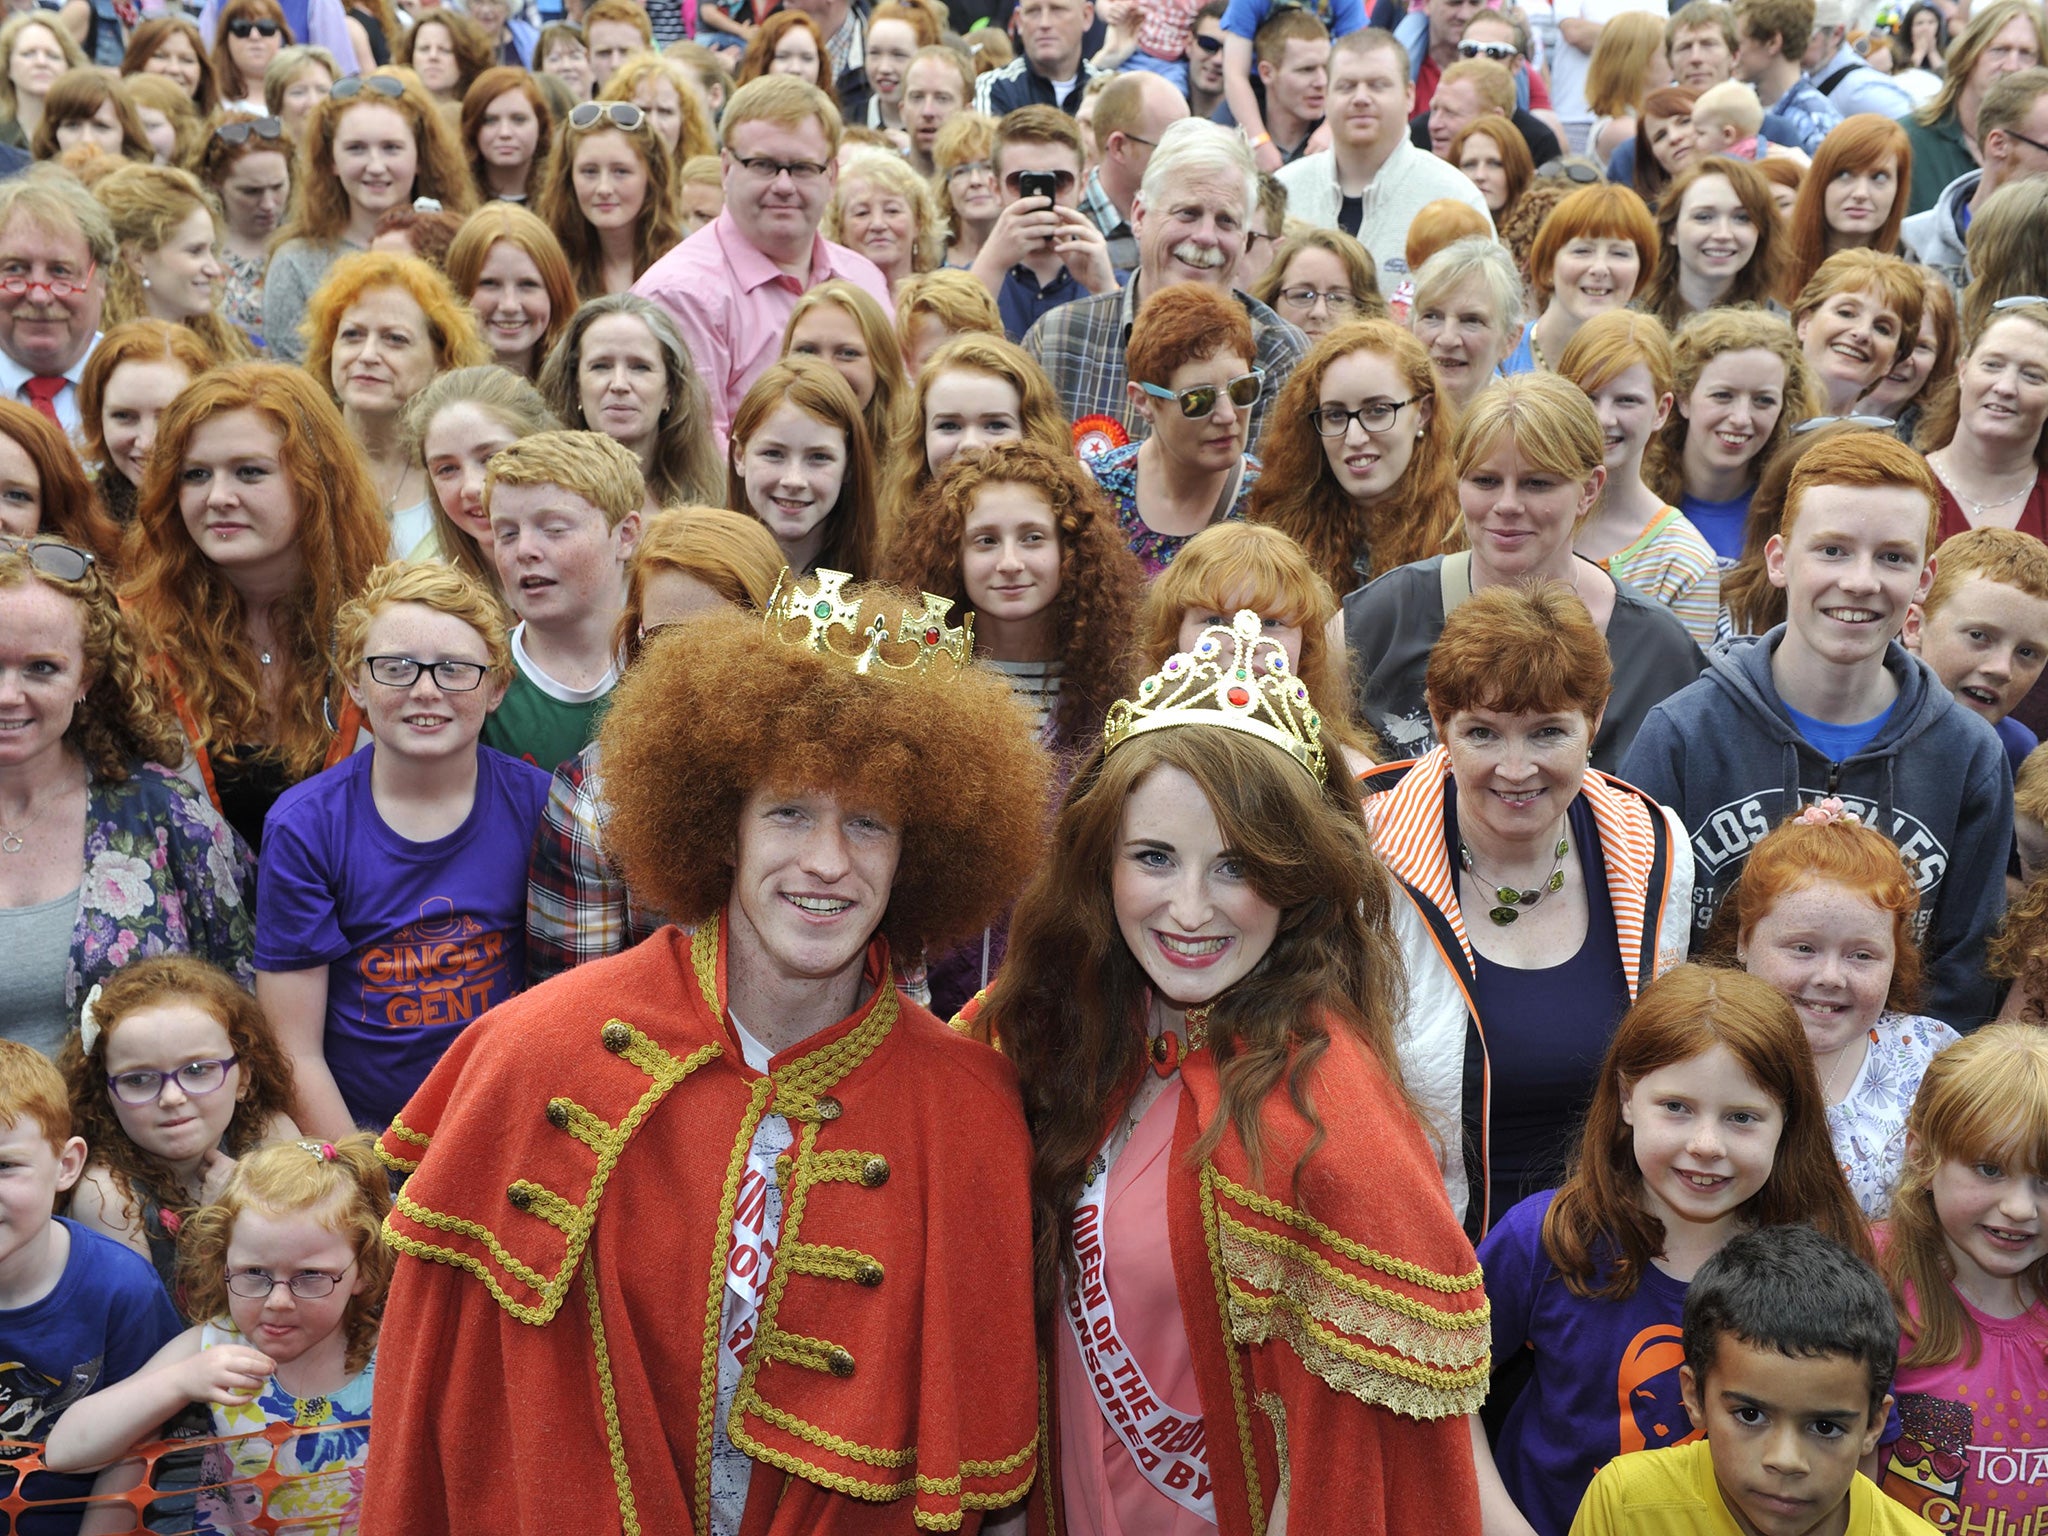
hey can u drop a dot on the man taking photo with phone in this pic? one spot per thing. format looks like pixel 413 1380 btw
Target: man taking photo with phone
pixel 1043 250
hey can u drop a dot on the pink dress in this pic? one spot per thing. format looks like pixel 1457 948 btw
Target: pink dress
pixel 1104 1492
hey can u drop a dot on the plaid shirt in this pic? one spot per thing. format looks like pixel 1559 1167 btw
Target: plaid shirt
pixel 1164 25
pixel 1123 245
pixel 1081 347
pixel 577 908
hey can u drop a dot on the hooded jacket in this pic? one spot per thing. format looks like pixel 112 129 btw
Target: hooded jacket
pixel 1935 238
pixel 1725 755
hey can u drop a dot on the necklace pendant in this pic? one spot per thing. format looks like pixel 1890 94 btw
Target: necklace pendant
pixel 1502 916
pixel 12 843
pixel 1507 895
pixel 1556 882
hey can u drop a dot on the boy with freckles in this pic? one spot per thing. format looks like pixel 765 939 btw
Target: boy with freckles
pixel 1984 627
pixel 1829 703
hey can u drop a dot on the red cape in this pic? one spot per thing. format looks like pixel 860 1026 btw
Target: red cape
pixel 548 1354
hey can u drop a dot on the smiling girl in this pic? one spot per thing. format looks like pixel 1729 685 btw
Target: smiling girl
pixel 1853 317
pixel 454 426
pixel 172 47
pixel 170 267
pixel 1966 1257
pixel 1721 241
pixel 1707 1122
pixel 511 269
pixel 135 372
pixel 1983 432
pixel 801 463
pixel 1594 253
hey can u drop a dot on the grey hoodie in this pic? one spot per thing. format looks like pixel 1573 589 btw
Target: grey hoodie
pixel 1727 758
pixel 1932 238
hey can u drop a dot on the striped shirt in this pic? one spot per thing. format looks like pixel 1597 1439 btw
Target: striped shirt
pixel 1036 685
pixel 1671 561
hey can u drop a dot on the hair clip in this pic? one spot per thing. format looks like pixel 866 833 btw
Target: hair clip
pixel 1823 813
pixel 324 1150
pixel 88 1026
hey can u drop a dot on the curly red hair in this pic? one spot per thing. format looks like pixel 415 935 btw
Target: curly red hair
pixel 1095 614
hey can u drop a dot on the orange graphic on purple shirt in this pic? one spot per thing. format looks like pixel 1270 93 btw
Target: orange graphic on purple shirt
pixel 445 969
pixel 1646 1386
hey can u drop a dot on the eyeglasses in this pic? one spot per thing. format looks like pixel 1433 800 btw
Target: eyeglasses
pixel 195 1079
pixel 404 671
pixel 1062 180
pixel 1569 170
pixel 1200 401
pixel 52 557
pixel 1500 53
pixel 239 132
pixel 19 284
pixel 1252 237
pixel 1378 417
pixel 1815 423
pixel 973 170
pixel 351 86
pixel 1339 301
pixel 761 168
pixel 622 115
pixel 2014 133
pixel 1207 43
pixel 307 1284
pixel 242 26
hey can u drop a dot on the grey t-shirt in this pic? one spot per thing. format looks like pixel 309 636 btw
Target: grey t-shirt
pixel 37 941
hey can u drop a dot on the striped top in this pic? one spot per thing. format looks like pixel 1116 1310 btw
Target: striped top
pixel 1671 562
pixel 1036 685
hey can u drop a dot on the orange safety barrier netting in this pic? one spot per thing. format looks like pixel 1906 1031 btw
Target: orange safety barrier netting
pixel 246 1485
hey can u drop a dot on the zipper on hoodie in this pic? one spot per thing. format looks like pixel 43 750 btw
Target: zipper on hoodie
pixel 1834 777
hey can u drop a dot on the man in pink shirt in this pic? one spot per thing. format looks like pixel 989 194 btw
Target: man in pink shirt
pixel 731 286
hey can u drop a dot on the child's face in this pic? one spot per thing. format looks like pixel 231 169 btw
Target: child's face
pixel 285 1325
pixel 425 720
pixel 1830 950
pixel 1990 1214
pixel 1010 555
pixel 1705 1138
pixel 1786 1433
pixel 1987 642
pixel 556 558
pixel 1853 562
pixel 793 466
pixel 178 1126
pixel 32 1174
pixel 1712 134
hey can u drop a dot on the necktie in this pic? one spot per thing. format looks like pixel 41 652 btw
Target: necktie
pixel 43 389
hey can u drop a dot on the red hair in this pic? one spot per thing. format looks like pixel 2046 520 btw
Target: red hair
pixel 70 509
pixel 1864 142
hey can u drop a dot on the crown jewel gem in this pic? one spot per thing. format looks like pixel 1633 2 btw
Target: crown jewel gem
pixel 816 613
pixel 1242 691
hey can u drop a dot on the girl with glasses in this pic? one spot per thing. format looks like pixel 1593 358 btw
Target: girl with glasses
pixel 1318 280
pixel 609 193
pixel 176 1074
pixel 249 171
pixel 288 1271
pixel 247 35
pixel 105 852
pixel 1192 349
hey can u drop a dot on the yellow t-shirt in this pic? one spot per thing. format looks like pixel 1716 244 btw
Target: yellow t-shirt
pixel 1672 1492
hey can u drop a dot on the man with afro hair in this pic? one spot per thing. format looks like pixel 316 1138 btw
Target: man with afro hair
pixel 724 1233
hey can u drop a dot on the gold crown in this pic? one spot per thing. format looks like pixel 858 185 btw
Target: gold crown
pixel 824 608
pixel 1250 690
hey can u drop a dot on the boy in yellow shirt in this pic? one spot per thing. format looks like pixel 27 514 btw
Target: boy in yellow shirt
pixel 1790 1346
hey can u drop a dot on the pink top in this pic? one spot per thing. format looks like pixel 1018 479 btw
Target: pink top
pixel 732 304
pixel 1104 1492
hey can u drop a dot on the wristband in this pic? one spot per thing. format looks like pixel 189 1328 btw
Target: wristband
pixel 1262 141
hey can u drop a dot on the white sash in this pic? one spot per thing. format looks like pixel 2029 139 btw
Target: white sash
pixel 1171 1451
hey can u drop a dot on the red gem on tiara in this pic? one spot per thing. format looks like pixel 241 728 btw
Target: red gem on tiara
pixel 1239 697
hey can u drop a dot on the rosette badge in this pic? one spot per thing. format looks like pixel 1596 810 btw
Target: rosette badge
pixel 816 613
pixel 1236 678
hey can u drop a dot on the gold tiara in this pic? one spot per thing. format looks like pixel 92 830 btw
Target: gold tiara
pixel 824 609
pixel 1250 689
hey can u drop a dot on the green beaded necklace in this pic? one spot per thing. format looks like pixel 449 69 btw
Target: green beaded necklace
pixel 1511 901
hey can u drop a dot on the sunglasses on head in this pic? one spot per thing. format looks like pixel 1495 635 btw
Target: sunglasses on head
pixel 262 26
pixel 1500 53
pixel 1200 401
pixel 352 86
pixel 52 557
pixel 1569 170
pixel 239 132
pixel 586 115
pixel 1815 423
pixel 2018 301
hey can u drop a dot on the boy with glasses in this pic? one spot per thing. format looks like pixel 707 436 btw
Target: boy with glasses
pixel 1043 251
pixel 392 909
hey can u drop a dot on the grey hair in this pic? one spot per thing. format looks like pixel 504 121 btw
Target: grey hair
pixel 1474 257
pixel 55 200
pixel 1195 147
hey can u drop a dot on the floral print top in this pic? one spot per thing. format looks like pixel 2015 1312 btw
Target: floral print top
pixel 1869 1125
pixel 243 304
pixel 164 875
pixel 1116 471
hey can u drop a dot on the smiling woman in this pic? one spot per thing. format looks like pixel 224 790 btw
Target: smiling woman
pixel 133 375
pixel 801 462
pixel 170 249
pixel 1853 318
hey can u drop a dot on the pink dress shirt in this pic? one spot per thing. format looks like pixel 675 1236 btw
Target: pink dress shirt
pixel 732 304
pixel 1102 1489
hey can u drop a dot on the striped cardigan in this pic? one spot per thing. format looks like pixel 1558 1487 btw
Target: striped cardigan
pixel 1442 1039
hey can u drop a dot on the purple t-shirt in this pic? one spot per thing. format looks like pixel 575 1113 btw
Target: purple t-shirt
pixel 419 939
pixel 1605 1377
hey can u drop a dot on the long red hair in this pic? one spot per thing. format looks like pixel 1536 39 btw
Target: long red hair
pixel 1865 142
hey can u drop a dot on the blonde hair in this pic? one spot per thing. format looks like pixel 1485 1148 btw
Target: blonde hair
pixel 600 469
pixel 960 302
pixel 892 173
pixel 1731 103
pixel 341 1184
pixel 1548 418
pixel 697 138
pixel 785 101
pixel 443 588
pixel 146 204
pixel 10 33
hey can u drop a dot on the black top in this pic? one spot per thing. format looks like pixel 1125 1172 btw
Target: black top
pixel 248 783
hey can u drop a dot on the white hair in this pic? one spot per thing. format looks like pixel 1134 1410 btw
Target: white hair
pixel 1196 147
pixel 1473 257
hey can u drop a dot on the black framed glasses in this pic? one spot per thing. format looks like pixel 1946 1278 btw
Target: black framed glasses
pixel 262 26
pixel 1815 423
pixel 404 671
pixel 195 1080
pixel 1376 417
pixel 307 1284
pixel 351 86
pixel 1339 301
pixel 52 557
pixel 1500 53
pixel 1200 401
pixel 242 131
pixel 622 115
pixel 1206 43
pixel 762 168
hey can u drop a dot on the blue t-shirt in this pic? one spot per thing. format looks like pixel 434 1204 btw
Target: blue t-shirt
pixel 2017 740
pixel 1837 743
pixel 1719 522
pixel 107 1315
pixel 1605 1377
pixel 1244 17
pixel 420 939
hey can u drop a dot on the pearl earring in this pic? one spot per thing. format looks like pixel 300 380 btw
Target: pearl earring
pixel 145 282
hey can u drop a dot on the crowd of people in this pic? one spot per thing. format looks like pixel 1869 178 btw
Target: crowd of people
pixel 749 755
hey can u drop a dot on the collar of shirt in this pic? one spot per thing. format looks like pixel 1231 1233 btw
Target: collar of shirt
pixel 14 375
pixel 1100 208
pixel 751 266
